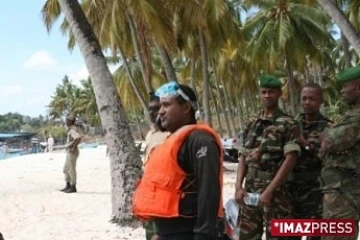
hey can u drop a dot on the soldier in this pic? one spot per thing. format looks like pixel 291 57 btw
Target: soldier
pixel 267 157
pixel 72 153
pixel 340 147
pixel 305 187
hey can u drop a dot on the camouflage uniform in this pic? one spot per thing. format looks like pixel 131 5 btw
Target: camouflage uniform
pixel 340 175
pixel 304 186
pixel 270 139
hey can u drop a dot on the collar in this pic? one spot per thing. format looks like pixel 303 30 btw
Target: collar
pixel 320 118
pixel 275 115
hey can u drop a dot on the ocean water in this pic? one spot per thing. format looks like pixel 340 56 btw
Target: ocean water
pixel 16 154
pixel 11 155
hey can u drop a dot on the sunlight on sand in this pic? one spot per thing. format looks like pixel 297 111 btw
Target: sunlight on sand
pixel 33 208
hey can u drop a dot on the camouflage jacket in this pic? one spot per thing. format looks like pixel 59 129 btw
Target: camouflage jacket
pixel 309 158
pixel 341 164
pixel 266 141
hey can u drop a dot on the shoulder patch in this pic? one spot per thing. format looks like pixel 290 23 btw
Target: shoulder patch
pixel 202 152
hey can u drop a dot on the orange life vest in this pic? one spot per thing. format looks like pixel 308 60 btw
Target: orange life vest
pixel 159 192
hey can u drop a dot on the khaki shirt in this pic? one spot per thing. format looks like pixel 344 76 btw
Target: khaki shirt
pixel 72 135
pixel 153 138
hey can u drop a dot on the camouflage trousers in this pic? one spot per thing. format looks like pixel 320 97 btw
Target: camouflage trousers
pixel 253 220
pixel 306 200
pixel 342 205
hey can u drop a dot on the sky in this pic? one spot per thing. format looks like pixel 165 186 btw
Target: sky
pixel 32 62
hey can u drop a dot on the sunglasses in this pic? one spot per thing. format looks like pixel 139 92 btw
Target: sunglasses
pixel 171 90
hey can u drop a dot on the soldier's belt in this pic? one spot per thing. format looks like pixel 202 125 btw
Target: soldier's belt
pixel 257 174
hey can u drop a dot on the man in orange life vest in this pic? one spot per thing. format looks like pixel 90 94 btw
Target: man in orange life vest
pixel 182 182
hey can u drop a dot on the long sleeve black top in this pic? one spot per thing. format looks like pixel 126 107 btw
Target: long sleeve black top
pixel 199 158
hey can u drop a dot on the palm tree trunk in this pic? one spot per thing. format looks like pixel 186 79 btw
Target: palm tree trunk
pixel 239 111
pixel 205 74
pixel 228 107
pixel 343 23
pixel 138 53
pixel 243 100
pixel 235 80
pixel 253 102
pixel 166 61
pixel 193 84
pixel 292 90
pixel 222 107
pixel 125 161
pixel 138 123
pixel 347 54
pixel 308 78
pixel 217 112
pixel 136 90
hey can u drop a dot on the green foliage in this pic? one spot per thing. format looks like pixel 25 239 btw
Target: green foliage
pixel 11 122
pixel 57 131
pixel 15 122
pixel 294 37
pixel 69 98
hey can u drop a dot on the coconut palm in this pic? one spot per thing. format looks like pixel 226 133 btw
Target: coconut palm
pixel 86 103
pixel 285 33
pixel 344 24
pixel 64 101
pixel 124 158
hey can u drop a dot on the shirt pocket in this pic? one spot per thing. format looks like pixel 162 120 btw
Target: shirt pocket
pixel 272 140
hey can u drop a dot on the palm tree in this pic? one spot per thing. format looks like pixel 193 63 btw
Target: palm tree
pixel 201 27
pixel 86 103
pixel 64 100
pixel 125 160
pixel 285 32
pixel 344 24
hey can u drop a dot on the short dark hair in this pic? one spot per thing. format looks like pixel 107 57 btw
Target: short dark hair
pixel 189 92
pixel 153 97
pixel 314 86
pixel 192 96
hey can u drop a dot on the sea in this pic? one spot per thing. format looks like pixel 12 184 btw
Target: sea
pixel 17 152
pixel 12 155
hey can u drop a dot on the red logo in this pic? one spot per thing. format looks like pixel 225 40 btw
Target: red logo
pixel 312 227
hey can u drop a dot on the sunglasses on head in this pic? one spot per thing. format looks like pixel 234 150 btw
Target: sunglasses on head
pixel 171 90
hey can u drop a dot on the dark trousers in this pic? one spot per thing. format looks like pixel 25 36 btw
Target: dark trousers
pixel 178 236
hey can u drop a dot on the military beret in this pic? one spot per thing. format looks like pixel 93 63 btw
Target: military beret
pixel 269 81
pixel 349 74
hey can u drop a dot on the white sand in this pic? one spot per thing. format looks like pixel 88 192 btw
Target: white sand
pixel 33 208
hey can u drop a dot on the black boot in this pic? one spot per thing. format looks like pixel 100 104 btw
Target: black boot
pixel 66 187
pixel 72 189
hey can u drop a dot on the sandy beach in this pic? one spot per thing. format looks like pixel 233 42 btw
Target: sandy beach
pixel 33 208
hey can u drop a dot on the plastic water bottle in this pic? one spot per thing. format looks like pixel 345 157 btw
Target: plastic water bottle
pixel 252 199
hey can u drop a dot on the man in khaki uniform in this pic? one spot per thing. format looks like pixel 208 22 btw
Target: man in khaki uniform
pixel 153 138
pixel 72 153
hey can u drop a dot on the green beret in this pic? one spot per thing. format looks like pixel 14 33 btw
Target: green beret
pixel 349 74
pixel 268 81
